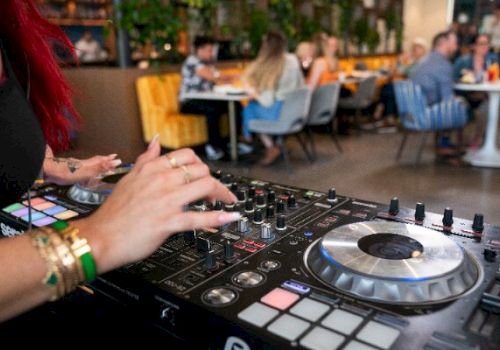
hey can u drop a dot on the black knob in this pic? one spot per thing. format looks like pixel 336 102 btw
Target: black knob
pixel 394 206
pixel 292 203
pixel 203 244
pixel 478 223
pixel 270 211
pixel 258 216
pixel 190 236
pixel 489 255
pixel 210 261
pixel 236 207
pixel 249 205
pixel 234 187
pixel 280 222
pixel 228 251
pixel 251 191
pixel 280 207
pixel 261 200
pixel 332 195
pixel 227 179
pixel 448 217
pixel 420 212
pixel 241 195
pixel 217 205
pixel 271 196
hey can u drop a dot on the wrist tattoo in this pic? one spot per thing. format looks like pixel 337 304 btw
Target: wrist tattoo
pixel 73 164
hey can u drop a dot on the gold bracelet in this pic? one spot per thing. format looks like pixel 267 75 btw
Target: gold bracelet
pixel 67 263
pixel 53 277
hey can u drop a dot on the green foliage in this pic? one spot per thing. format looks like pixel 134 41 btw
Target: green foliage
pixel 153 22
pixel 259 25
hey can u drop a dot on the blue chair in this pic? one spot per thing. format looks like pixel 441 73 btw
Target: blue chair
pixel 415 115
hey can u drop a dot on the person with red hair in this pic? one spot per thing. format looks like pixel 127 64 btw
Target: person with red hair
pixel 34 103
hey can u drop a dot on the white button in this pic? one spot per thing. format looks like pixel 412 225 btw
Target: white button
pixel 356 345
pixel 288 327
pixel 257 314
pixel 342 321
pixel 309 309
pixel 322 339
pixel 378 334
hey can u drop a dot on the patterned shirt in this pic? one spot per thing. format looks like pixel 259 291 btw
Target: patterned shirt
pixel 435 76
pixel 192 82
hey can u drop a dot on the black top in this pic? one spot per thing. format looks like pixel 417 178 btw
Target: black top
pixel 22 144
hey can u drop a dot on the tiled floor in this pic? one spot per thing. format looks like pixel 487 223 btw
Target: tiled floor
pixel 367 170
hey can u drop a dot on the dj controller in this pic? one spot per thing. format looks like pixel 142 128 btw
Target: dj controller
pixel 304 269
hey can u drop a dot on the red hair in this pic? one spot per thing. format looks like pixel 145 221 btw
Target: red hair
pixel 27 37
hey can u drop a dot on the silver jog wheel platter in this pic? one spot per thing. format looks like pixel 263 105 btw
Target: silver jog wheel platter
pixel 395 263
pixel 98 189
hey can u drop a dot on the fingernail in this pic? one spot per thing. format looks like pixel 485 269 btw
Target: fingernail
pixel 112 156
pixel 116 162
pixel 226 218
pixel 154 140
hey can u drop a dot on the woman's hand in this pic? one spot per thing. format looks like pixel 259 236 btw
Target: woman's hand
pixel 148 206
pixel 67 171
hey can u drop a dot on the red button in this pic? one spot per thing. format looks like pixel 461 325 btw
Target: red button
pixel 239 245
pixel 248 241
pixel 259 244
pixel 250 249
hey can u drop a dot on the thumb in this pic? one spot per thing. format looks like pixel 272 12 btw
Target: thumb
pixel 153 152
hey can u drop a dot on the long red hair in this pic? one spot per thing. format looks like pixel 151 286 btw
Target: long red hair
pixel 27 38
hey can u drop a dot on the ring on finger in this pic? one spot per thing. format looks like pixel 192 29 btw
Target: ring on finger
pixel 187 174
pixel 172 161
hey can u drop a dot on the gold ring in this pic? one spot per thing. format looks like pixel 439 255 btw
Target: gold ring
pixel 187 174
pixel 172 161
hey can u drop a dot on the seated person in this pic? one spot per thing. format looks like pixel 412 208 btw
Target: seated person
pixel 88 49
pixel 200 75
pixel 306 53
pixel 325 68
pixel 473 68
pixel 272 75
pixel 435 76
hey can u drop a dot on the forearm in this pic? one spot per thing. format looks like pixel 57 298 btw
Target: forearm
pixel 20 279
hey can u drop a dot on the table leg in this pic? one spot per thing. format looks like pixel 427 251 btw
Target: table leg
pixel 488 155
pixel 232 131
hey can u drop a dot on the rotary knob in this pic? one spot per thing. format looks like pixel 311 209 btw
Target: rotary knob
pixel 261 200
pixel 217 205
pixel 241 195
pixel 292 202
pixel 448 217
pixel 271 196
pixel 258 217
pixel 234 187
pixel 332 196
pixel 420 212
pixel 251 192
pixel 228 251
pixel 243 224
pixel 281 223
pixel 280 207
pixel 249 205
pixel 210 261
pixel 478 223
pixel 270 211
pixel 266 231
pixel 394 206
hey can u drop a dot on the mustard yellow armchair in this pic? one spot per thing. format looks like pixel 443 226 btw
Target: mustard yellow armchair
pixel 157 96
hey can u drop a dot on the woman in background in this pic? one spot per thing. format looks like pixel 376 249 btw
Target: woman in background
pixel 325 68
pixel 267 80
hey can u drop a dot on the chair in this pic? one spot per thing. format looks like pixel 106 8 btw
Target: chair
pixel 362 98
pixel 157 95
pixel 417 116
pixel 324 103
pixel 292 119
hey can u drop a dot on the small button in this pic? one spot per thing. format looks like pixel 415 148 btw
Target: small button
pixel 288 327
pixel 257 314
pixel 322 339
pixel 259 245
pixel 251 249
pixel 279 298
pixel 270 265
pixel 342 321
pixel 309 309
pixel 308 233
pixel 378 334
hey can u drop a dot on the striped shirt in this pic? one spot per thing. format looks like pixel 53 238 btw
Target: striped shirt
pixel 435 76
pixel 192 82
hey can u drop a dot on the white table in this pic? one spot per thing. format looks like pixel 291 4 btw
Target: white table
pixel 231 99
pixel 488 155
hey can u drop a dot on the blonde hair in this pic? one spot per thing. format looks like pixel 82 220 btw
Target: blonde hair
pixel 264 73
